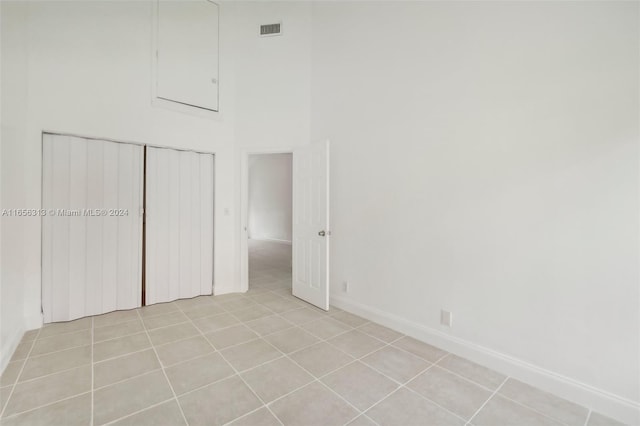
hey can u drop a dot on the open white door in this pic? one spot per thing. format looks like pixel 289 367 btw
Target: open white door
pixel 311 224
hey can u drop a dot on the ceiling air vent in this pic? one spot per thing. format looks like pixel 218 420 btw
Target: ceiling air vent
pixel 270 30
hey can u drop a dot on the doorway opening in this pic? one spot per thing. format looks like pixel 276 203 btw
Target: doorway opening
pixel 269 221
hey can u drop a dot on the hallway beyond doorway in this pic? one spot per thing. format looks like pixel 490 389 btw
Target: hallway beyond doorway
pixel 270 266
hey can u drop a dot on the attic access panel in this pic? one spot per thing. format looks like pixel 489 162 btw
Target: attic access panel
pixel 187 53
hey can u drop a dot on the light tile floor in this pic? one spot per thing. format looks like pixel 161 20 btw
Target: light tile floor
pixel 260 358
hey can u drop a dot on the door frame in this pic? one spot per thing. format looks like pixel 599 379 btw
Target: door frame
pixel 244 205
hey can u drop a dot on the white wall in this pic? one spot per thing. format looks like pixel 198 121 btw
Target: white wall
pixel 12 136
pixel 485 161
pixel 88 69
pixel 270 192
pixel 90 74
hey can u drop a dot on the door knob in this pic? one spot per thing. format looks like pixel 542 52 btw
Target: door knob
pixel 322 233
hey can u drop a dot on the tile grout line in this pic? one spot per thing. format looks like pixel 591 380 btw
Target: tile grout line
pixel 15 382
pixel 157 404
pixel 486 402
pixel 48 404
pixel 316 379
pixel 175 397
pixel 243 323
pixel 237 373
pixel 404 385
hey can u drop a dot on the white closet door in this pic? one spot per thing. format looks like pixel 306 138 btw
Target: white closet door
pixel 179 227
pixel 92 233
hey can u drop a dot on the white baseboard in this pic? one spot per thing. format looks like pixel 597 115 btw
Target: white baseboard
pixel 609 404
pixel 9 346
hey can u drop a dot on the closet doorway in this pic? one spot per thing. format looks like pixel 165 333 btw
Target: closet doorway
pixel 102 248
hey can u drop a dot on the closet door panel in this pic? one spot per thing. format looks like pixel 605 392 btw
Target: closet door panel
pixel 207 190
pixel 95 188
pixel 110 229
pixel 78 227
pixel 179 231
pixel 91 254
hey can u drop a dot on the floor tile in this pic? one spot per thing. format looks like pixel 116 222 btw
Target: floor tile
pixel 49 389
pixel 165 320
pixel 231 336
pixel 452 392
pixel 120 329
pixel 183 350
pixel 396 364
pixel 253 313
pixel 355 343
pixel 116 317
pixel 219 403
pixel 120 346
pixel 55 362
pixel 261 417
pixel 349 319
pixel 281 305
pixel 555 407
pixel 472 371
pixel 238 304
pixel 123 368
pixel 11 373
pixel 4 396
pixel 70 412
pixel 160 336
pixel 501 411
pixel 216 322
pixel 291 340
pixel 22 350
pixel 379 332
pixel 404 407
pixel 268 325
pixel 326 328
pixel 121 399
pixel 321 358
pixel 30 335
pixel 301 316
pixel 195 303
pixel 61 342
pixel 198 372
pixel 58 328
pixel 276 378
pixel 166 414
pixel 157 309
pixel 266 296
pixel 360 385
pixel 362 420
pixel 421 349
pixel 313 405
pixel 250 354
pixel 205 311
pixel 597 419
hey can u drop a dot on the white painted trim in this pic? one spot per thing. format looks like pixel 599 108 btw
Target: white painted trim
pixel 607 403
pixel 272 240
pixel 10 345
pixel 244 207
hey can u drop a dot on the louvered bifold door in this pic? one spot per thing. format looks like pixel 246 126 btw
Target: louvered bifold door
pixel 179 225
pixel 92 230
